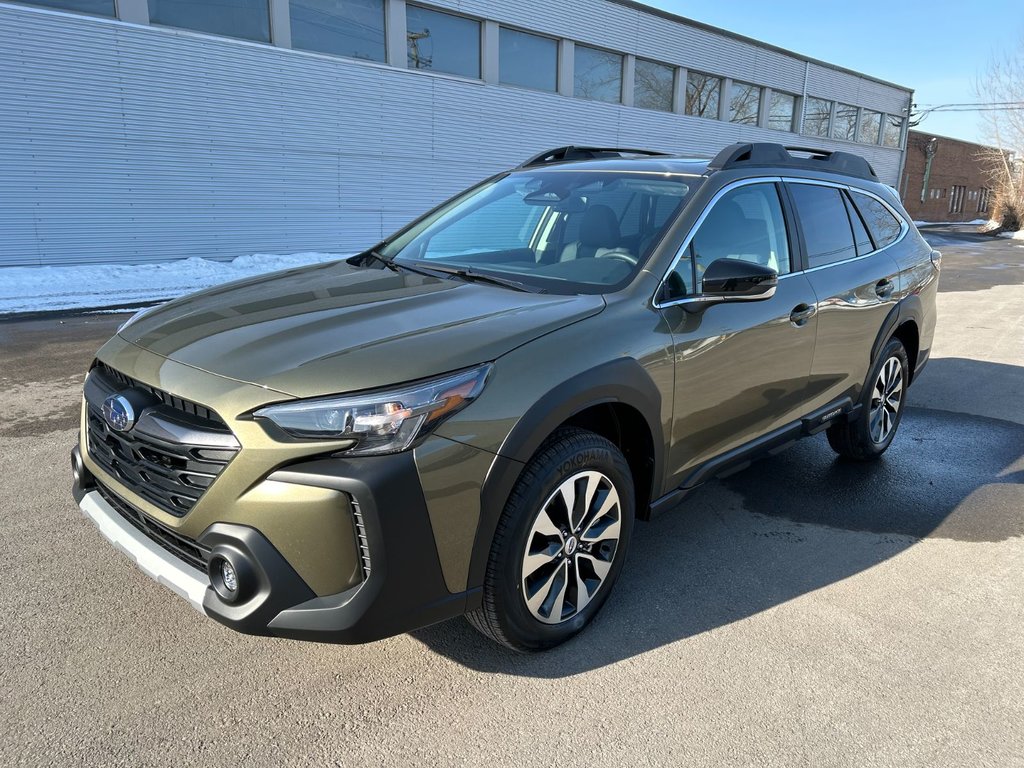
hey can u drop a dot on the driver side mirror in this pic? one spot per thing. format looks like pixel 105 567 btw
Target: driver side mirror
pixel 738 280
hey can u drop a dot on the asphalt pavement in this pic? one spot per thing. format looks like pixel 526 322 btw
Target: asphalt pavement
pixel 803 612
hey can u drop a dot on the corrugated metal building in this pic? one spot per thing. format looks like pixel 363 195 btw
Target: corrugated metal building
pixel 147 130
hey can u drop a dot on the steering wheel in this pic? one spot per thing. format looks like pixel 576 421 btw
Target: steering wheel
pixel 620 254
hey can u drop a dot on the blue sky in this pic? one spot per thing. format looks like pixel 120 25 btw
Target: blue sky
pixel 936 48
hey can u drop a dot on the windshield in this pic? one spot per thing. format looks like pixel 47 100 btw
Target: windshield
pixel 562 231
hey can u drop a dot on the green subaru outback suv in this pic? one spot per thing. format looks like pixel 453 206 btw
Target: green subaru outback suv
pixel 469 417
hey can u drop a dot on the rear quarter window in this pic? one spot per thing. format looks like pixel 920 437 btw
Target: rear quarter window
pixel 884 227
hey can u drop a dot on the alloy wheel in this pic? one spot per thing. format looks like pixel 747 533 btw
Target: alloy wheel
pixel 886 400
pixel 571 547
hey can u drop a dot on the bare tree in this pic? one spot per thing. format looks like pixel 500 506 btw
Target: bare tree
pixel 1003 84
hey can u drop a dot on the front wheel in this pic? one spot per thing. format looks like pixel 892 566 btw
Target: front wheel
pixel 885 394
pixel 560 543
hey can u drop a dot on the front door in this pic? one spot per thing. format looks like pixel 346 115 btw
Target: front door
pixel 741 368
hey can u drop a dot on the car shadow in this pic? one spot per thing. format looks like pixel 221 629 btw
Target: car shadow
pixel 785 527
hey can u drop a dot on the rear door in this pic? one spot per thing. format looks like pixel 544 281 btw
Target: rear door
pixel 854 280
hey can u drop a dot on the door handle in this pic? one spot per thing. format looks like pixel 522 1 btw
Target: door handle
pixel 884 288
pixel 802 313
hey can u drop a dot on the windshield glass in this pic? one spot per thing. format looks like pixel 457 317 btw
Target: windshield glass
pixel 563 231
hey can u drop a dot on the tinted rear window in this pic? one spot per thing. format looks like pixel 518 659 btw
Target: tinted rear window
pixel 885 228
pixel 824 222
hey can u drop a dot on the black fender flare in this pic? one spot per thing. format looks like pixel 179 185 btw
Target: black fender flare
pixel 909 308
pixel 620 381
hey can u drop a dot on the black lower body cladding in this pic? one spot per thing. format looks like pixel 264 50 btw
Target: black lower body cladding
pixel 405 588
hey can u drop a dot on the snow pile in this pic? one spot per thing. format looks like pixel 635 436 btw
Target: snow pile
pixel 111 286
pixel 1018 235
pixel 948 223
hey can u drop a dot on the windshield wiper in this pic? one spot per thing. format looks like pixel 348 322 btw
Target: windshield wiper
pixel 376 256
pixel 482 277
pixel 396 266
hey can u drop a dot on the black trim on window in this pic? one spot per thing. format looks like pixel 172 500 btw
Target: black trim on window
pixel 798 246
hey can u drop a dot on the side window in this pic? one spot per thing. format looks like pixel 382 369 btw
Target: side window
pixel 824 222
pixel 884 227
pixel 746 224
pixel 861 238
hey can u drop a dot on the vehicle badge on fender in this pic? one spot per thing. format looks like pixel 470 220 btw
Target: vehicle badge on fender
pixel 118 413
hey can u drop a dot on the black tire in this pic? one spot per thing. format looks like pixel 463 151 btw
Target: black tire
pixel 505 616
pixel 866 438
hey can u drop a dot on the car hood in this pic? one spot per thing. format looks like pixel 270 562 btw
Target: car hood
pixel 334 327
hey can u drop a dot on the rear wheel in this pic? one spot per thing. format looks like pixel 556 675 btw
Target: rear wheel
pixel 868 436
pixel 560 543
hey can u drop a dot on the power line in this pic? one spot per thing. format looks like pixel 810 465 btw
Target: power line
pixel 975 104
pixel 916 118
pixel 972 106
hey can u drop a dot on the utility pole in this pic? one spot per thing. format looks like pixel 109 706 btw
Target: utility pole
pixel 418 61
pixel 929 152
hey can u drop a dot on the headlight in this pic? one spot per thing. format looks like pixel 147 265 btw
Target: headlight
pixel 138 315
pixel 384 422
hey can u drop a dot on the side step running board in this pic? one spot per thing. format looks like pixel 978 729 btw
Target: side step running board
pixel 770 444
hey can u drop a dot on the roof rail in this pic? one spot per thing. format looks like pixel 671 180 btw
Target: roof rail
pixel 778 156
pixel 570 153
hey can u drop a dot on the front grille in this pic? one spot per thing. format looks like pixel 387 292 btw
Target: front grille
pixel 192 552
pixel 171 455
pixel 171 401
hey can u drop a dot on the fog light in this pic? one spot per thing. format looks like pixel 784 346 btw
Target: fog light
pixel 228 576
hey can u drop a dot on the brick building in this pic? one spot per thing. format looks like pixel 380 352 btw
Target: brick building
pixel 954 187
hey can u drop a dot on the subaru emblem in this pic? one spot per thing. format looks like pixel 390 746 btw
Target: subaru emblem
pixel 118 413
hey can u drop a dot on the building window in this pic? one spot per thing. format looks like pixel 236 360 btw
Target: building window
pixel 983 200
pixel 95 7
pixel 956 199
pixel 352 28
pixel 702 95
pixel 653 85
pixel 817 116
pixel 870 125
pixel 248 19
pixel 781 108
pixel 442 42
pixel 845 125
pixel 530 61
pixel 598 74
pixel 892 131
pixel 744 103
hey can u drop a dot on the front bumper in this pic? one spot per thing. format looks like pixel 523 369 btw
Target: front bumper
pixel 403 588
pixel 152 559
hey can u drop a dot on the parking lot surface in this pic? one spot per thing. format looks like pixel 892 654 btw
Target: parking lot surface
pixel 803 612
